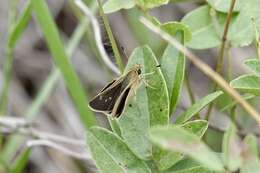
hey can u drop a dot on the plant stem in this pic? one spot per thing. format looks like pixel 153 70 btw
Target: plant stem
pixel 233 114
pixel 8 64
pixel 257 38
pixel 221 52
pixel 204 68
pixel 9 60
pixel 190 92
pixel 229 64
pixel 111 38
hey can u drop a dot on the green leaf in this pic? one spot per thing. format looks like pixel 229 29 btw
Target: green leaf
pixel 56 47
pixel 173 28
pixel 16 29
pixel 197 107
pixel 254 65
pixel 250 167
pixel 111 6
pixel 173 61
pixel 197 127
pixel 203 32
pixel 247 83
pixel 166 158
pixel 187 165
pixel 149 106
pixel 20 26
pixel 251 143
pixel 173 68
pixel 224 5
pixel 207 27
pixel 231 103
pixel 147 4
pixel 179 140
pixel 232 149
pixel 154 83
pixel 134 124
pixel 112 154
pixel 241 32
pixel 20 162
pixel 250 158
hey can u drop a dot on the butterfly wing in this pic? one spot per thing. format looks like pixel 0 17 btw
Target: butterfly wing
pixel 106 99
pixel 120 104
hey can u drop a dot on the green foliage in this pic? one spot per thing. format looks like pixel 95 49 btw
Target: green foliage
pixel 149 106
pixel 228 104
pixel 17 27
pixel 253 65
pixel 143 139
pixel 251 160
pixel 179 140
pixel 173 62
pixel 194 109
pixel 147 4
pixel 203 32
pixel 207 25
pixel 188 165
pixel 61 60
pixel 116 5
pixel 231 148
pixel 247 84
pixel 111 153
pixel 224 5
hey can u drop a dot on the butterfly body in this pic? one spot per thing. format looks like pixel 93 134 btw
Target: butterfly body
pixel 112 98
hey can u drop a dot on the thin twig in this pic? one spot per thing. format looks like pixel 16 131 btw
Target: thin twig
pixel 204 68
pixel 41 138
pixel 19 125
pixel 97 35
pixel 42 142
pixel 221 52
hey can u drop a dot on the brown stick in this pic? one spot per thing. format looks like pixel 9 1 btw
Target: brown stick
pixel 221 52
pixel 204 68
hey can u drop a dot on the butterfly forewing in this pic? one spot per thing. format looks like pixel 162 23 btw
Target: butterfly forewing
pixel 113 97
pixel 106 99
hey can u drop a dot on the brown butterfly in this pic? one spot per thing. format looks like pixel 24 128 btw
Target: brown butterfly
pixel 112 98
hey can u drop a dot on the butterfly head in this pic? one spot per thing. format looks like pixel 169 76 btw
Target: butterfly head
pixel 137 68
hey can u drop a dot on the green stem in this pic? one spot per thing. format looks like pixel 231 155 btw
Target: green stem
pixel 229 64
pixel 45 91
pixel 257 38
pixel 111 38
pixel 8 64
pixel 233 114
pixel 221 52
pixel 9 60
pixel 190 92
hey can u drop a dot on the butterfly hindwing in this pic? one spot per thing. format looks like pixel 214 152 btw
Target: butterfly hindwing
pixel 118 109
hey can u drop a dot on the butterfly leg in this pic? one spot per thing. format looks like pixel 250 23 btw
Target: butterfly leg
pixel 147 84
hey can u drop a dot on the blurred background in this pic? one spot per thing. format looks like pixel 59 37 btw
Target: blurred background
pixel 33 63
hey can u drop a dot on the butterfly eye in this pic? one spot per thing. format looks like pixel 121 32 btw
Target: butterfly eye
pixel 139 71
